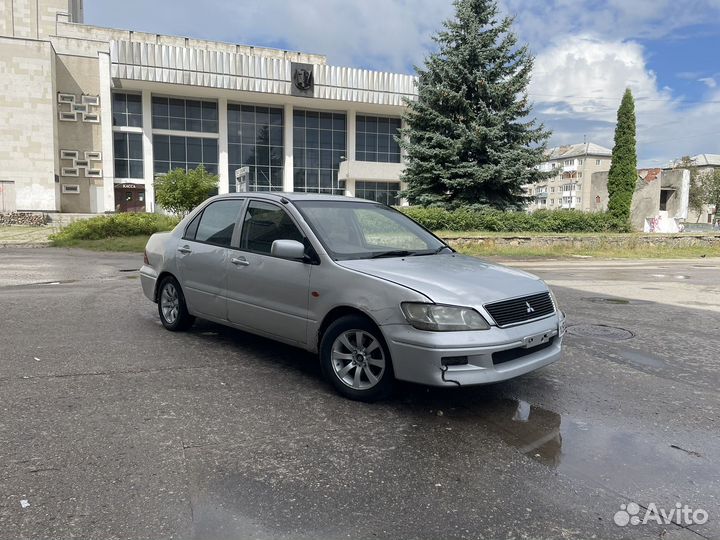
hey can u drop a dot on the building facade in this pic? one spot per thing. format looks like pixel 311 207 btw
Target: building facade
pixel 570 186
pixel 90 116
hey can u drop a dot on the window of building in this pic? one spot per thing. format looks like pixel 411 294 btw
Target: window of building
pixel 184 114
pixel 319 147
pixel 552 190
pixel 580 161
pixel 218 222
pixel 128 152
pixel 127 110
pixel 172 152
pixel 577 199
pixel 598 161
pixel 263 224
pixel 255 140
pixel 552 202
pixel 375 139
pixel 382 192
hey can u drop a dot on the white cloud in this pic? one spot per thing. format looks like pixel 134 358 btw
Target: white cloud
pixel 577 87
pixel 709 81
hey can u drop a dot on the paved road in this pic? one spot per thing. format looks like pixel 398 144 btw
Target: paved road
pixel 111 427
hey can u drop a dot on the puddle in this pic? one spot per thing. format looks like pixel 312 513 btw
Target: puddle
pixel 624 460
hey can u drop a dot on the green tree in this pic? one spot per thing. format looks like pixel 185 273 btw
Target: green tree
pixel 710 182
pixel 179 191
pixel 696 196
pixel 623 168
pixel 468 137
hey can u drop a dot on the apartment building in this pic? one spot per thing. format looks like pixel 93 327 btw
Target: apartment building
pixel 570 186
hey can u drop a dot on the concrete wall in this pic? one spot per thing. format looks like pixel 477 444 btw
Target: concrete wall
pixel 79 75
pixel 31 18
pixel 27 122
pixel 645 201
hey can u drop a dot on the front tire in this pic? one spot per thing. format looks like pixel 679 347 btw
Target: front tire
pixel 172 307
pixel 355 359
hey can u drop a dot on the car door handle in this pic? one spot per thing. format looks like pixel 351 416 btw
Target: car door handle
pixel 240 261
pixel 184 250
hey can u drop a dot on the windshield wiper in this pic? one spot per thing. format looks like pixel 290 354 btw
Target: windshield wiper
pixel 394 253
pixel 433 252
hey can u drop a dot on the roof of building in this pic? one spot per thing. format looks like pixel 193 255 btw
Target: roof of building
pixel 699 160
pixel 705 160
pixel 574 150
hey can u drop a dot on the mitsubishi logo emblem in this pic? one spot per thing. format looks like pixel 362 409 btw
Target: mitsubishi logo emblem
pixel 530 309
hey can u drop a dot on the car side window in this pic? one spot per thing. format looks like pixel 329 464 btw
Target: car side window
pixel 191 229
pixel 263 224
pixel 217 222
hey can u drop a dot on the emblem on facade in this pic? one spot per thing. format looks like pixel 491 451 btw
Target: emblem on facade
pixel 69 110
pixel 79 164
pixel 303 80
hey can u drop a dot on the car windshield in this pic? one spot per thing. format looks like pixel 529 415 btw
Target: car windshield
pixel 359 230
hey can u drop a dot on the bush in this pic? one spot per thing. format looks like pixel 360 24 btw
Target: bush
pixel 558 221
pixel 115 225
pixel 179 191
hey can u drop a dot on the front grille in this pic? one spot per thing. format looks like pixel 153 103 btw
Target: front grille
pixel 518 352
pixel 518 310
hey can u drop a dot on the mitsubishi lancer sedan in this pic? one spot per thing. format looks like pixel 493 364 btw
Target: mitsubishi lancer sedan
pixel 374 294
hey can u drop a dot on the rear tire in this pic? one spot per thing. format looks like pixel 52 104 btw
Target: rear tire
pixel 355 359
pixel 172 307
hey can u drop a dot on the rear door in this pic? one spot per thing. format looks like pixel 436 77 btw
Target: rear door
pixel 267 293
pixel 202 256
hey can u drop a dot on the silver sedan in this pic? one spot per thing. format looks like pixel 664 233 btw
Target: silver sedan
pixel 376 295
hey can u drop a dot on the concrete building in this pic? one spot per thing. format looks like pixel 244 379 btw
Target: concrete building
pixel 660 197
pixel 570 186
pixel 89 116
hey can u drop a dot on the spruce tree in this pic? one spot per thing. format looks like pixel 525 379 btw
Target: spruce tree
pixel 623 168
pixel 468 137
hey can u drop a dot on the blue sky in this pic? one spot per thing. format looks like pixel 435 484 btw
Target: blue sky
pixel 587 52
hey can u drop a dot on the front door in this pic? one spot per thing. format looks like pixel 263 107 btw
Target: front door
pixel 202 257
pixel 129 198
pixel 267 293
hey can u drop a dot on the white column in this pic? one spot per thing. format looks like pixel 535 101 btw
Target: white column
pixel 223 172
pixel 108 190
pixel 350 153
pixel 288 182
pixel 148 166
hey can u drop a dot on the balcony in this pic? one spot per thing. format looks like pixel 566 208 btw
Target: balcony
pixel 569 168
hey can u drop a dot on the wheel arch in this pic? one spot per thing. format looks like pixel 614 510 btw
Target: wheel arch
pixel 336 313
pixel 160 279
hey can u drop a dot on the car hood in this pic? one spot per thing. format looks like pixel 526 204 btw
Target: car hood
pixel 451 279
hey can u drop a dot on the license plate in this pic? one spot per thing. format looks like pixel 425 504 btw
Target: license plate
pixel 538 339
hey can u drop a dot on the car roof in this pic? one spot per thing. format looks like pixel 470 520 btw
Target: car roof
pixel 291 196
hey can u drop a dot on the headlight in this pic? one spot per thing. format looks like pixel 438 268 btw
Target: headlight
pixel 443 318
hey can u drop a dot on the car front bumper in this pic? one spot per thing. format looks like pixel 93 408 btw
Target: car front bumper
pixel 418 355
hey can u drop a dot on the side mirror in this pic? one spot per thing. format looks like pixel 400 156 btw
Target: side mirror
pixel 287 249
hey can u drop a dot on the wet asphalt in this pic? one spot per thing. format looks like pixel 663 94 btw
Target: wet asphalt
pixel 112 427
